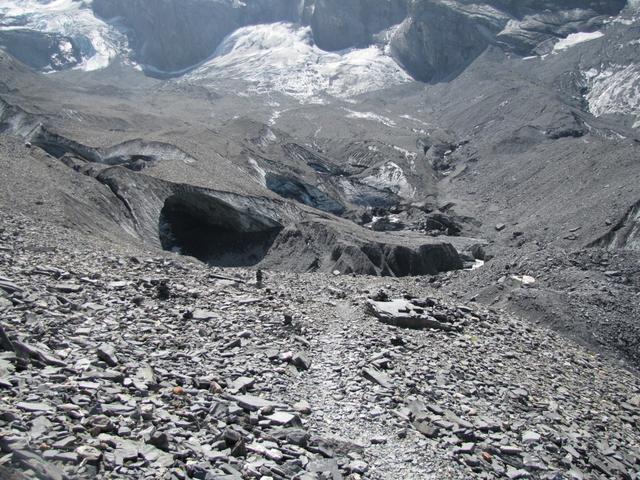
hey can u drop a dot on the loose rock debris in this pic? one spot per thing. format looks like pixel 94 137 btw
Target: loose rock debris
pixel 105 382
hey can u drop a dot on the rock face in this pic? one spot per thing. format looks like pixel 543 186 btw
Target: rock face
pixel 41 50
pixel 170 35
pixel 625 234
pixel 340 24
pixel 231 230
pixel 524 7
pixel 436 39
pixel 439 39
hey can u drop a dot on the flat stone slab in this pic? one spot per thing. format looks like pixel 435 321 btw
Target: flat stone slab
pixel 35 407
pixel 67 287
pixel 8 286
pixel 375 376
pixel 282 418
pixel 252 403
pixel 403 313
pixel 199 314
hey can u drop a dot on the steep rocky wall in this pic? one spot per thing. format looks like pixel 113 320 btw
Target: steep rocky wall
pixel 41 50
pixel 523 7
pixel 340 24
pixel 435 41
pixel 172 35
pixel 439 39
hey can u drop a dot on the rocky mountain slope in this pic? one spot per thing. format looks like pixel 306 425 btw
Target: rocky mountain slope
pixel 319 239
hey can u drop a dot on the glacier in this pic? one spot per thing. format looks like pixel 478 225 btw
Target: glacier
pixel 282 57
pixel 98 41
pixel 614 89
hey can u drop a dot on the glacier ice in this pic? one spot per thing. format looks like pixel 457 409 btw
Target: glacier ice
pixel 282 57
pixel 100 42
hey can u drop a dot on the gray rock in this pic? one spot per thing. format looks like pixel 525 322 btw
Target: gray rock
pixel 283 418
pixel 107 353
pixel 252 403
pixel 301 361
pixel 377 377
pixel 530 437
pixel 358 466
pixel 465 449
pixel 428 430
pixel 403 313
pixel 510 450
pixel 35 407
pixel 241 384
pixel 89 453
pixel 9 286
pixel 203 315
pixel 155 456
pixel 67 287
pixel 43 469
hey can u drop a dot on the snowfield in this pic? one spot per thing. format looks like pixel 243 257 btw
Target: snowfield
pixel 576 39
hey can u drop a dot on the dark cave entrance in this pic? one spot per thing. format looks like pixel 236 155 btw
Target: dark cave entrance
pixel 215 232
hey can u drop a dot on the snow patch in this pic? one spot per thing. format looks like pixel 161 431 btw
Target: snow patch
pixel 274 117
pixel 282 57
pixel 576 39
pixel 261 173
pixel 477 264
pixel 407 154
pixel 414 119
pixel 524 279
pixel 267 137
pixel 374 117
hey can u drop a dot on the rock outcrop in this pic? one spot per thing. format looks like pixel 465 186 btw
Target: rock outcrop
pixel 172 35
pixel 439 39
pixel 41 50
pixel 340 24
